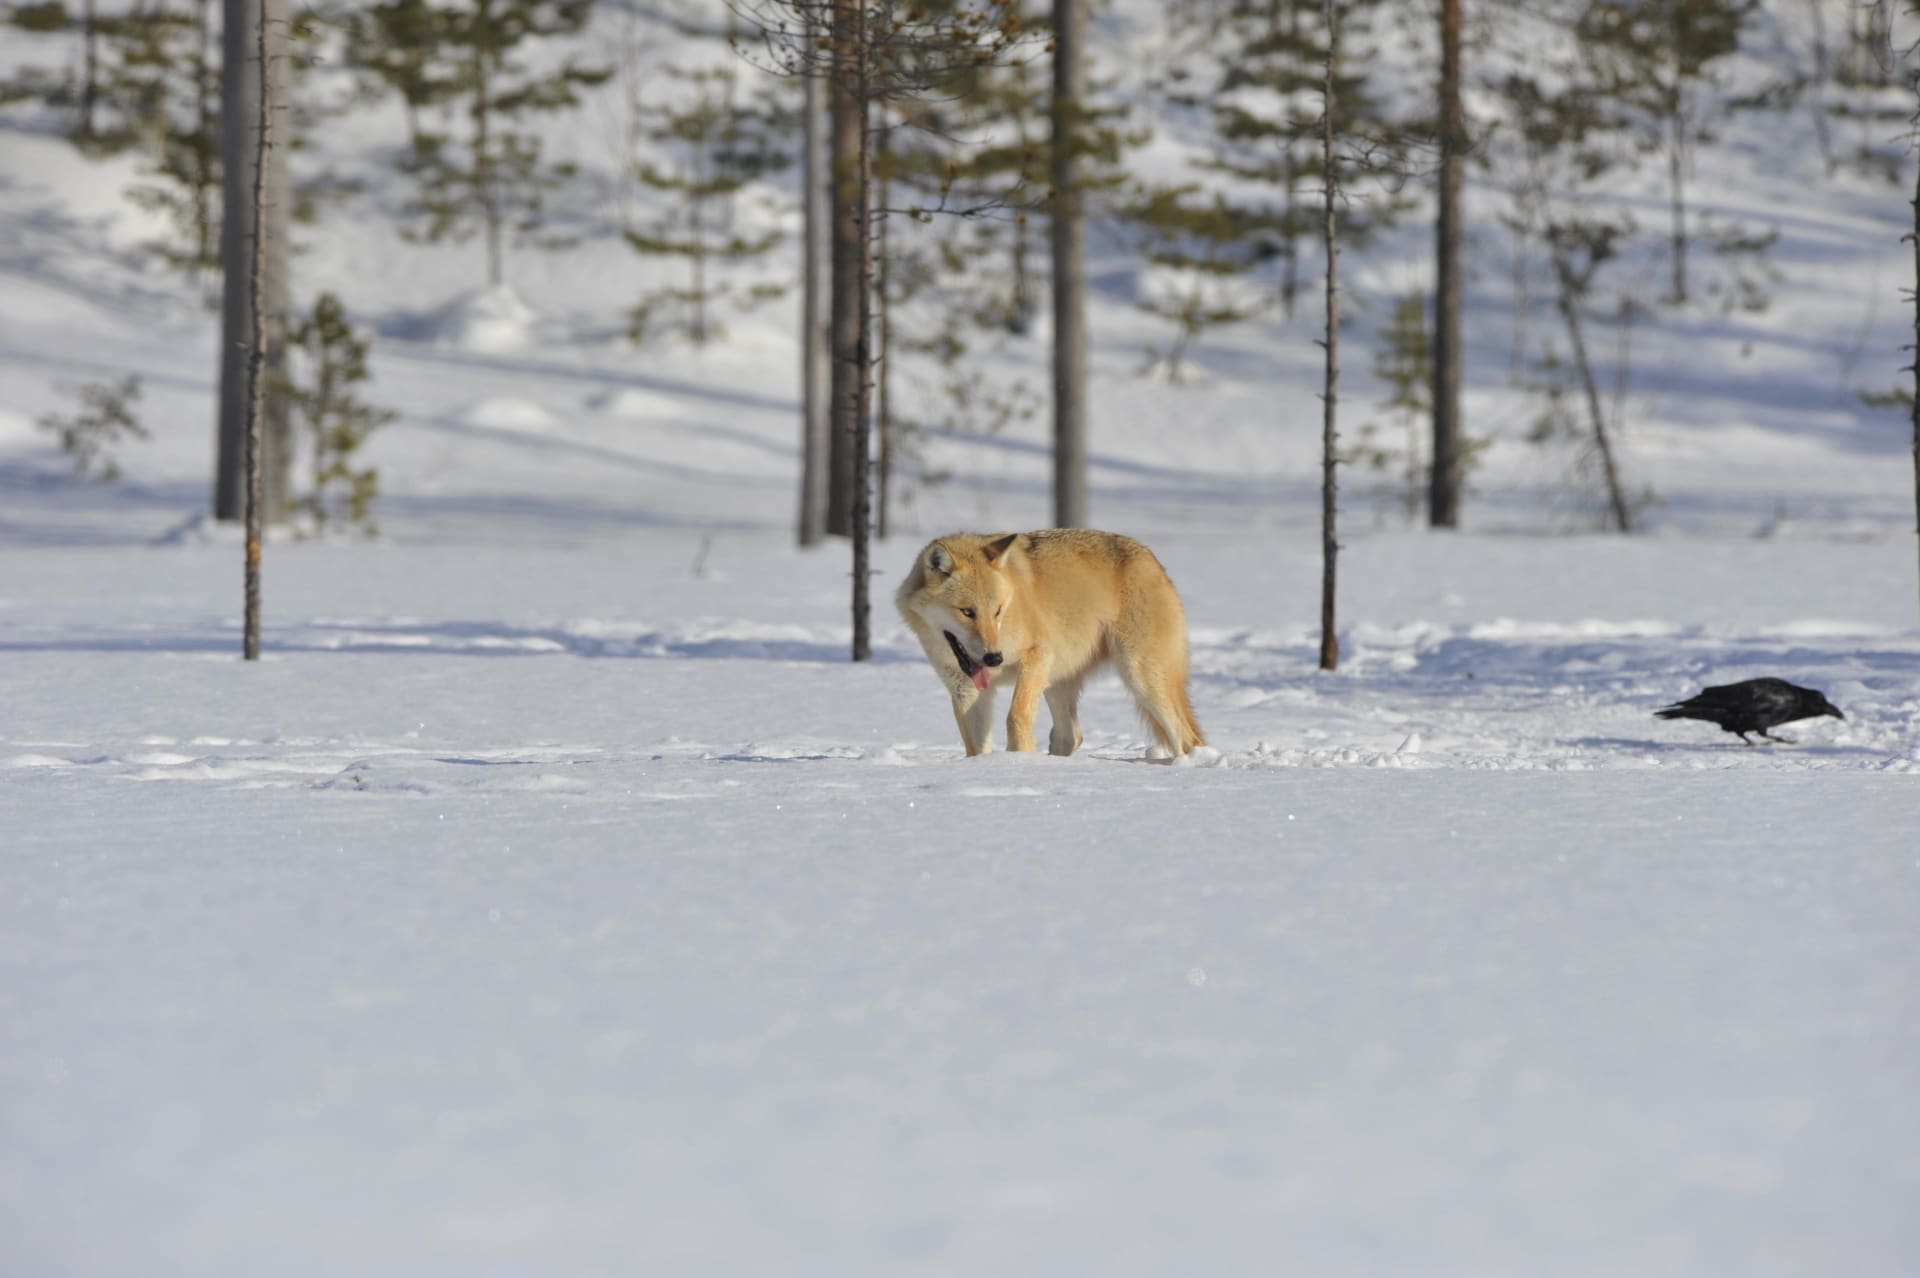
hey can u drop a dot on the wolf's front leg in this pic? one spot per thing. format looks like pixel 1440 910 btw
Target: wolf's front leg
pixel 975 717
pixel 1026 703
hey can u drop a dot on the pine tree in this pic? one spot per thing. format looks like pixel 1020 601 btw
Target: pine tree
pixel 336 420
pixel 1403 363
pixel 149 83
pixel 1203 251
pixel 721 146
pixel 30 82
pixel 985 147
pixel 1657 62
pixel 981 146
pixel 167 66
pixel 1266 118
pixel 93 436
pixel 1564 145
pixel 871 53
pixel 462 62
pixel 393 44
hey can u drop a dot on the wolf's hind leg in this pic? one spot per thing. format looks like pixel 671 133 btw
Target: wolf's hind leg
pixel 1159 688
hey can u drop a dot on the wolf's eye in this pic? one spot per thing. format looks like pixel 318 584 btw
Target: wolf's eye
pixel 967 613
pixel 997 611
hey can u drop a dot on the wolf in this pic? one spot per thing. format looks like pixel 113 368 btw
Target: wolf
pixel 1043 610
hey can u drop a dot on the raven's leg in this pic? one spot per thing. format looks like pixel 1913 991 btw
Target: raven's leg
pixel 1769 736
pixel 1743 736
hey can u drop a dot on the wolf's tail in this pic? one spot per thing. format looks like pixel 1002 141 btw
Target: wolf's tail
pixel 1184 722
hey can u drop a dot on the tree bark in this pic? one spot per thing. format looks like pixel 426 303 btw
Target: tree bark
pixel 1915 368
pixel 1566 294
pixel 240 83
pixel 90 70
pixel 1443 490
pixel 847 132
pixel 863 349
pixel 257 347
pixel 1069 268
pixel 483 174
pixel 204 124
pixel 815 373
pixel 1677 200
pixel 1329 437
pixel 883 308
pixel 1822 73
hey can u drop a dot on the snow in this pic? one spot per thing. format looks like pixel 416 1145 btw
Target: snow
pixel 555 898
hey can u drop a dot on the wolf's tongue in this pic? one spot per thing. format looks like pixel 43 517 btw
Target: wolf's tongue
pixel 980 678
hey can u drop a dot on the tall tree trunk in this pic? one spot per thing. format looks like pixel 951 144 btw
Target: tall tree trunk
pixel 1329 436
pixel 846 143
pixel 697 258
pixel 484 179
pixel 1443 489
pixel 1916 336
pixel 204 125
pixel 863 350
pixel 89 70
pixel 1567 295
pixel 1290 176
pixel 883 305
pixel 240 70
pixel 257 344
pixel 814 371
pixel 1069 268
pixel 1021 320
pixel 1822 73
pixel 1677 198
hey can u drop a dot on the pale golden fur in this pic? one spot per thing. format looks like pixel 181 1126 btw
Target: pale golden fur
pixel 1054 606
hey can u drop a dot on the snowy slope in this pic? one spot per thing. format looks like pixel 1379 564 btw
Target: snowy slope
pixel 554 898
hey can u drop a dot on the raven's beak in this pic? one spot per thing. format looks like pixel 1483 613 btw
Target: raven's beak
pixel 1835 712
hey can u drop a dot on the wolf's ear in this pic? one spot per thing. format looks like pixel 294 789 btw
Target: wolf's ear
pixel 940 559
pixel 992 551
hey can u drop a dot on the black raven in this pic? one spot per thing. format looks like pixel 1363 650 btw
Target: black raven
pixel 1753 705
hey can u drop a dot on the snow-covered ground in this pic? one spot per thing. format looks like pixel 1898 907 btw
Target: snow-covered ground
pixel 555 898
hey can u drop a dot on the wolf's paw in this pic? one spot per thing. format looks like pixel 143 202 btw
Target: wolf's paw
pixel 1198 757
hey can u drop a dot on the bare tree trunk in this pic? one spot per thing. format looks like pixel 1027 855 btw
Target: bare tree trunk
pixel 89 70
pixel 1290 254
pixel 697 232
pixel 204 124
pixel 863 351
pixel 240 68
pixel 257 350
pixel 483 174
pixel 1916 334
pixel 883 304
pixel 814 371
pixel 1677 201
pixel 1021 321
pixel 1443 489
pixel 1566 295
pixel 1069 268
pixel 1329 543
pixel 848 127
pixel 1822 73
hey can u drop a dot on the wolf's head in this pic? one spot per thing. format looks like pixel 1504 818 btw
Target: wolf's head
pixel 964 591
